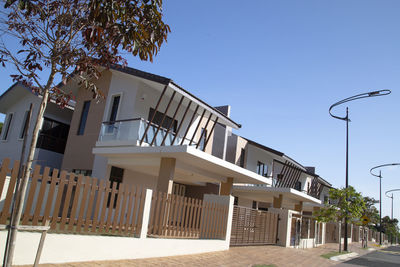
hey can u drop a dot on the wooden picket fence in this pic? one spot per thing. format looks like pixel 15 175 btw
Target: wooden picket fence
pixel 182 217
pixel 74 203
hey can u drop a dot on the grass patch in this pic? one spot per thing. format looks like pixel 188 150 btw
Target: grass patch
pixel 264 265
pixel 333 254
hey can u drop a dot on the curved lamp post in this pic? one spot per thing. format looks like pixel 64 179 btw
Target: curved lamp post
pixel 393 190
pixel 346 118
pixel 380 194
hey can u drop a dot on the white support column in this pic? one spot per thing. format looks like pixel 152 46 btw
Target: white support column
pixel 146 213
pixel 229 220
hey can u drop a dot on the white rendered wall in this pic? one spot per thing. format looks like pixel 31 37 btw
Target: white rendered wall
pixel 60 248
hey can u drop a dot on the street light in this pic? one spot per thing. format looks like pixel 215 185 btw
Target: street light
pixel 393 190
pixel 346 118
pixel 380 194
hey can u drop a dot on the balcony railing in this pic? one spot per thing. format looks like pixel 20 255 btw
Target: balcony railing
pixel 133 130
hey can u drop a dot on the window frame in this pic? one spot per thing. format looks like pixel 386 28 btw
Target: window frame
pixel 23 126
pixel 264 166
pixel 6 127
pixel 81 125
pixel 111 106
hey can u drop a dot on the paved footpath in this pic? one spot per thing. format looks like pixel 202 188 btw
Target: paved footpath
pixel 236 256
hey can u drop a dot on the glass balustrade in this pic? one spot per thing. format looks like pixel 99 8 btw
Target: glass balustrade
pixel 134 129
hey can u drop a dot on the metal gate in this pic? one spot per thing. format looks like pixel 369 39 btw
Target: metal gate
pixel 253 227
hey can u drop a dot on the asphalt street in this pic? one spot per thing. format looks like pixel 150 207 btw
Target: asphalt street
pixel 387 257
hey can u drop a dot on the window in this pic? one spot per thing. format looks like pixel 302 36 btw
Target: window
pixel 298 186
pixel 203 139
pixel 84 172
pixel 236 201
pixel 116 176
pixel 84 114
pixel 254 205
pixel 242 153
pixel 53 136
pixel 159 118
pixel 262 169
pixel 114 108
pixel 24 124
pixel 6 127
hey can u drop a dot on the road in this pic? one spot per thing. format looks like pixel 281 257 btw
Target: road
pixel 388 257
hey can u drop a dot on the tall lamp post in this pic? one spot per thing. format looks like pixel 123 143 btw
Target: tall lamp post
pixel 347 119
pixel 380 194
pixel 391 191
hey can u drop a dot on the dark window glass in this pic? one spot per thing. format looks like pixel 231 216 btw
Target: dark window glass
pixel 24 124
pixel 114 108
pixel 116 176
pixel 53 136
pixel 236 201
pixel 203 139
pixel 262 169
pixel 7 126
pixel 298 186
pixel 159 118
pixel 254 205
pixel 242 153
pixel 84 114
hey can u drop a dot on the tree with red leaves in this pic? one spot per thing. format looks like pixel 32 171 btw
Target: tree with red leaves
pixel 73 39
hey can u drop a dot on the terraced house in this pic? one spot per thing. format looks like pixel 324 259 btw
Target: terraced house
pixel 171 178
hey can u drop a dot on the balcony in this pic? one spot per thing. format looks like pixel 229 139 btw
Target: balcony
pixel 132 131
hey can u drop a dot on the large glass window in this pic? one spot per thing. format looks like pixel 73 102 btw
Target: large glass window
pixel 203 139
pixel 6 127
pixel 262 169
pixel 53 136
pixel 158 119
pixel 84 114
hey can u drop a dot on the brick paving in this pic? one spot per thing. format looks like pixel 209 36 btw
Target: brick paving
pixel 235 256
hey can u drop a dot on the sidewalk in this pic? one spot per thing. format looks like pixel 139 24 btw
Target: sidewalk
pixel 236 256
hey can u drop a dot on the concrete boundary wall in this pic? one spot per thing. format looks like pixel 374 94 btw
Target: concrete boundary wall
pixel 62 248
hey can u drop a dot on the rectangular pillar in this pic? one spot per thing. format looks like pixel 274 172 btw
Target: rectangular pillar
pixel 166 175
pixel 225 189
pixel 299 207
pixel 277 204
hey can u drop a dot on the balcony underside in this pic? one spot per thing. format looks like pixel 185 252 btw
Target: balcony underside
pixel 192 165
pixel 267 194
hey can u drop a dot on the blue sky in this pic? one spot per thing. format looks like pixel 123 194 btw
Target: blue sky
pixel 281 64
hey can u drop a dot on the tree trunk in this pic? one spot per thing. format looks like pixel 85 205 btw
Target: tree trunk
pixel 25 178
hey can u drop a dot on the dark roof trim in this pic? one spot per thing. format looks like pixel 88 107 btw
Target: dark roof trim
pixel 165 81
pixel 276 152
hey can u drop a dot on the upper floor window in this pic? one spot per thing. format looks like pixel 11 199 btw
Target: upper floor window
pixel 24 124
pixel 53 136
pixel 242 155
pixel 158 120
pixel 6 127
pixel 84 114
pixel 262 169
pixel 298 186
pixel 114 108
pixel 203 139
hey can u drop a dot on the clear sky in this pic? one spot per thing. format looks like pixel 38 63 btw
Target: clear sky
pixel 280 65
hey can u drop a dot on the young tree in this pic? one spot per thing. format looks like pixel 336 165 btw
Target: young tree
pixel 73 39
pixel 346 203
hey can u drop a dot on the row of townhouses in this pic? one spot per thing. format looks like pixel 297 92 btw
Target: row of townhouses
pixel 150 132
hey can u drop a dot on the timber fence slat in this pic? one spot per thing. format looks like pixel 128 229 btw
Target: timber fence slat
pixel 135 212
pixel 60 192
pixel 31 195
pixel 6 208
pixel 117 207
pixel 39 200
pixel 129 210
pixel 75 203
pixel 140 215
pixel 49 202
pixel 123 208
pixel 67 199
pixel 92 194
pixel 82 208
pixel 3 173
pixel 96 218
